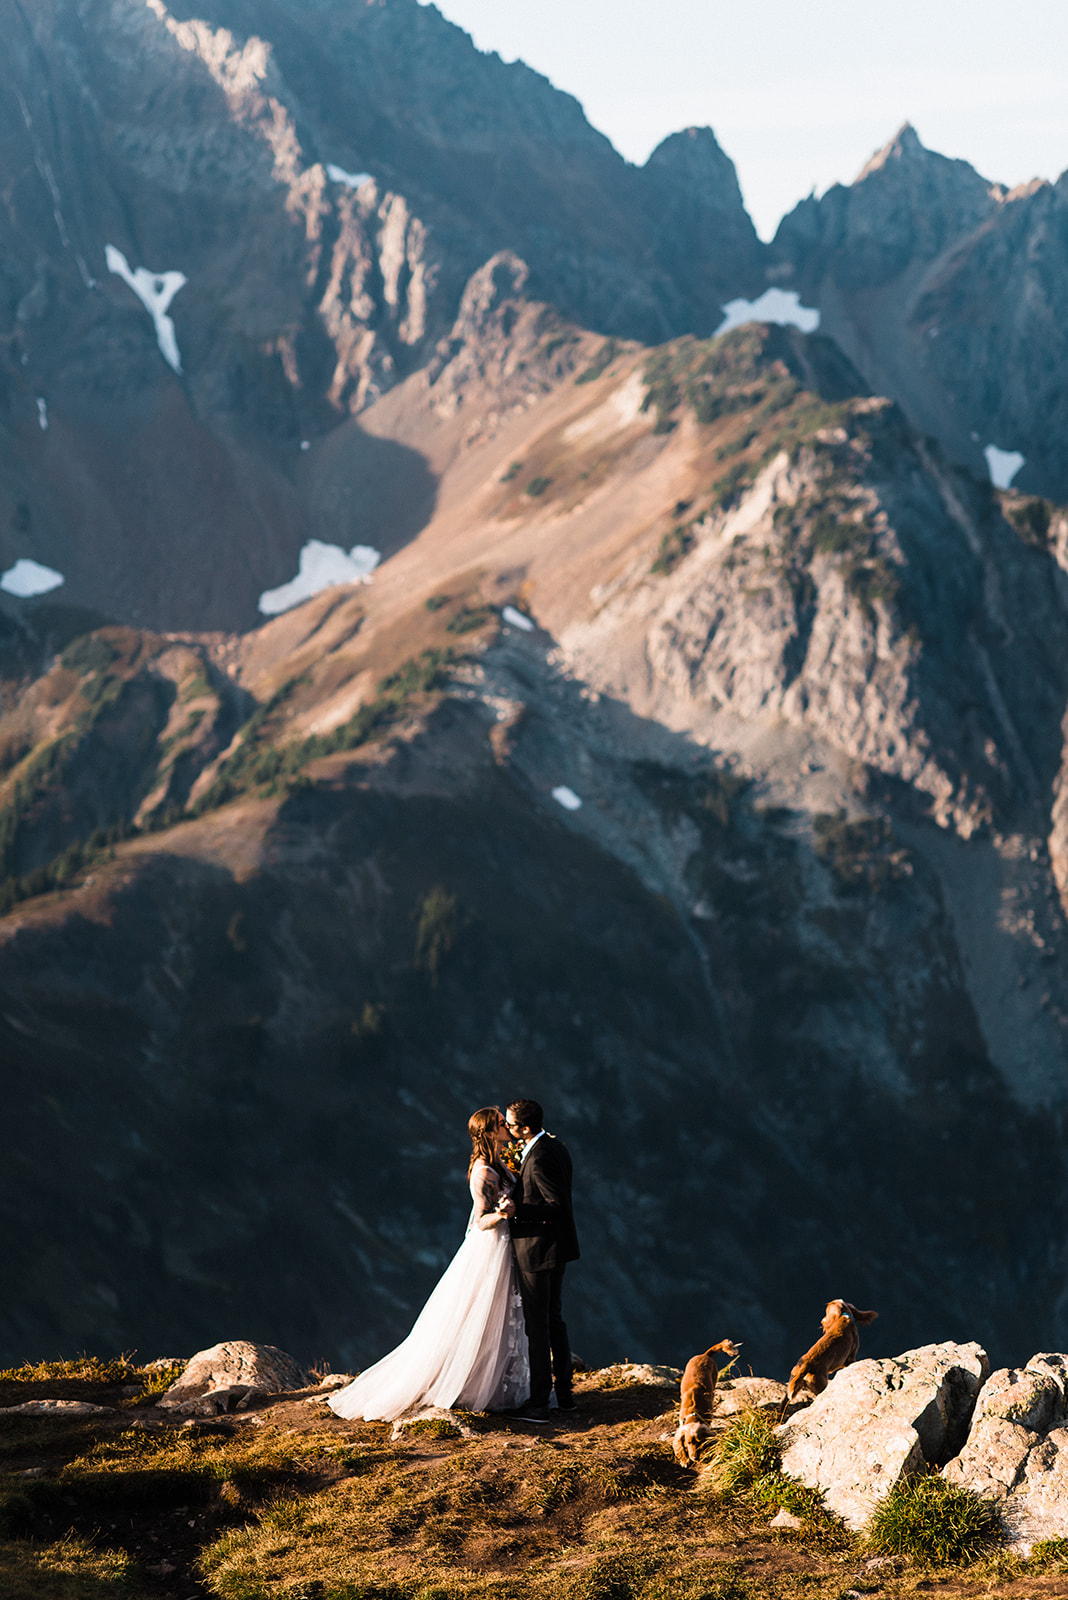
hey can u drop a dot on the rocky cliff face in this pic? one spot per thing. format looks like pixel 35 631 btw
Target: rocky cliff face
pixel 948 293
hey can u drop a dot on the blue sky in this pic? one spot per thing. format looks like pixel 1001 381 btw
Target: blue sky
pixel 801 94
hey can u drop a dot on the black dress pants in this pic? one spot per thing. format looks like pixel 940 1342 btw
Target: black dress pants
pixel 550 1351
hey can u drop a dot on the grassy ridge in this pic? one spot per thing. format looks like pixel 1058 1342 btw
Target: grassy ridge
pixel 293 1504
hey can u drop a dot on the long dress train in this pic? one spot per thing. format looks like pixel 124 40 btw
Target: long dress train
pixel 468 1347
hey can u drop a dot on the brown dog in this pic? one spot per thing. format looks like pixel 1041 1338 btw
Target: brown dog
pixel 829 1355
pixel 698 1398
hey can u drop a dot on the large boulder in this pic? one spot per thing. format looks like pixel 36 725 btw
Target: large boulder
pixel 880 1421
pixel 230 1376
pixel 1016 1454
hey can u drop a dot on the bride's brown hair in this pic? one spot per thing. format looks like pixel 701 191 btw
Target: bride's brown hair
pixel 482 1127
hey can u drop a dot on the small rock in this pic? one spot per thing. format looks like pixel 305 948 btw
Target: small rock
pixel 430 1413
pixel 748 1394
pixel 880 1563
pixel 29 1472
pixel 162 1569
pixel 785 1519
pixel 55 1408
pixel 220 1378
pixel 335 1380
pixel 641 1373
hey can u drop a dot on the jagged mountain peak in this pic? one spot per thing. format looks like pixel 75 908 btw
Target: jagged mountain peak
pixel 906 207
pixel 904 146
pixel 907 161
pixel 694 153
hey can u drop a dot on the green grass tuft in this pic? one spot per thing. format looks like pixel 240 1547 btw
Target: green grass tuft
pixel 934 1522
pixel 433 1428
pixel 744 1452
pixel 1049 1555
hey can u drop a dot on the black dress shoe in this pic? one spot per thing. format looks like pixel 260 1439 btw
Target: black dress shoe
pixel 570 1404
pixel 530 1414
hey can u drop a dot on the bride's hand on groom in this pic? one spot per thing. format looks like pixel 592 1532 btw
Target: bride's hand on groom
pixel 506 1208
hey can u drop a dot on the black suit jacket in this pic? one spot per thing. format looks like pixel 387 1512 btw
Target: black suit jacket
pixel 543 1230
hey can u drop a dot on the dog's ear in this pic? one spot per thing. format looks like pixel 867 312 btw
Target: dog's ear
pixel 863 1317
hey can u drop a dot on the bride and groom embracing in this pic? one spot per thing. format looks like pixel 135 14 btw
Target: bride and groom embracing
pixel 492 1335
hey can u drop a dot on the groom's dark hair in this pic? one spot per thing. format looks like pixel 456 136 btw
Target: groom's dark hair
pixel 527 1114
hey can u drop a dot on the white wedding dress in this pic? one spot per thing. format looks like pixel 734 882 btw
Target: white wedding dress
pixel 468 1347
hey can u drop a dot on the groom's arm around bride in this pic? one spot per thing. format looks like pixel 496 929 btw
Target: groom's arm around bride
pixel 544 1237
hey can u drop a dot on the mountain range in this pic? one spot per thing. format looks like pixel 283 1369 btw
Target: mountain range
pixel 687 749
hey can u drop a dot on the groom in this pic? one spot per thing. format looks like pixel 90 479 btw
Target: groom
pixel 543 1234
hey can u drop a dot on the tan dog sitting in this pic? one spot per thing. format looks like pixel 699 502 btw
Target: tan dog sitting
pixel 837 1348
pixel 698 1398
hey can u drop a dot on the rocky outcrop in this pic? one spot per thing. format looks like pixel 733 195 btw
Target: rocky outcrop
pixel 880 1421
pixel 1017 1450
pixel 947 291
pixel 861 587
pixel 230 1376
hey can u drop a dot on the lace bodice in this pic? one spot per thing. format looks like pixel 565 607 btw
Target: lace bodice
pixel 487 1188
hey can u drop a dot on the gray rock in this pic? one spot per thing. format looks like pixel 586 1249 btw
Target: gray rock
pixel 640 1373
pixel 748 1394
pixel 55 1408
pixel 335 1380
pixel 880 1421
pixel 1016 1454
pixel 230 1376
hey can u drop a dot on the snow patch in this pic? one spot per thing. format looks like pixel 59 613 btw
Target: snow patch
pixel 1003 465
pixel 42 414
pixel 155 290
pixel 28 578
pixel 322 566
pixel 775 305
pixel 351 180
pixel 517 619
pixel 566 797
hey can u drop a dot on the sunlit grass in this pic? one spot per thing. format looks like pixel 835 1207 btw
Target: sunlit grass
pixel 933 1522
pixel 67 1569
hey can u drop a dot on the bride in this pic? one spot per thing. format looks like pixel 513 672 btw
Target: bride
pixel 468 1347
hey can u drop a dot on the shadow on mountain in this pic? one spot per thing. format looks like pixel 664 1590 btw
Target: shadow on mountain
pixel 367 490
